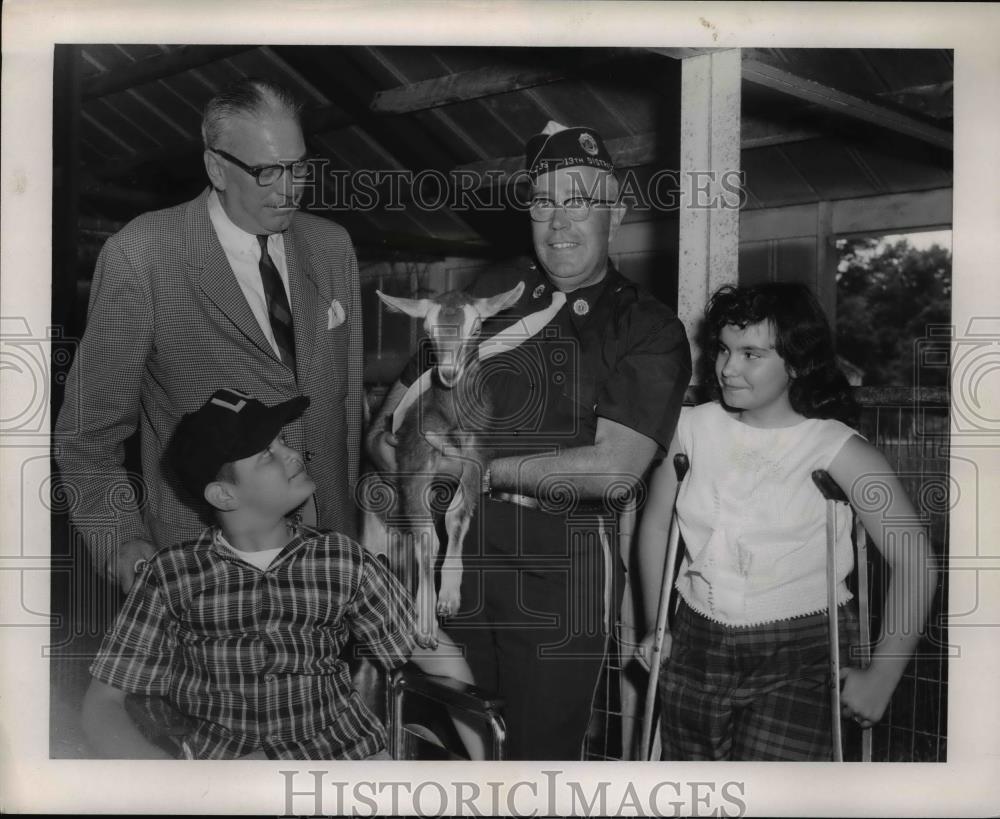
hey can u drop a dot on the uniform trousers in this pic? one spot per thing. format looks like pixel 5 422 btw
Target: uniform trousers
pixel 534 623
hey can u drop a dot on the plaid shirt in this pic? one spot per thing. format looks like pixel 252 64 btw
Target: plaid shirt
pixel 255 656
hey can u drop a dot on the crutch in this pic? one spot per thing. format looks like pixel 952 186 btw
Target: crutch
pixel 662 612
pixel 834 495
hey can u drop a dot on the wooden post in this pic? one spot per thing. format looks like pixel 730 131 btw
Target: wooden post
pixel 66 189
pixel 709 247
pixel 710 148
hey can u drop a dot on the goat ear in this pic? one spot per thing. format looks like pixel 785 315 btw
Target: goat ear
pixel 418 308
pixel 500 302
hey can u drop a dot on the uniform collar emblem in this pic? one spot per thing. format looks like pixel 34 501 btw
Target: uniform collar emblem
pixel 538 292
pixel 580 307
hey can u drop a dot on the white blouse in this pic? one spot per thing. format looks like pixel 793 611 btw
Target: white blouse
pixel 753 521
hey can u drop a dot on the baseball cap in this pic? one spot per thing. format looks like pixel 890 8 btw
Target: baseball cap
pixel 229 426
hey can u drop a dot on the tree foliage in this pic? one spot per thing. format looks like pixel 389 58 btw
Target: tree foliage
pixel 892 303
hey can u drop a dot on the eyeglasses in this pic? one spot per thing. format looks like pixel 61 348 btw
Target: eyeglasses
pixel 577 208
pixel 268 174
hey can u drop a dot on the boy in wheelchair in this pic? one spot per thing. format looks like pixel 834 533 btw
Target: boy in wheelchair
pixel 238 634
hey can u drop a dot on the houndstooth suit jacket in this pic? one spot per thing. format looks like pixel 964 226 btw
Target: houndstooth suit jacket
pixel 167 326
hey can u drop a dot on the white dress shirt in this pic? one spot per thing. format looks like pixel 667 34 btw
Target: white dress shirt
pixel 243 252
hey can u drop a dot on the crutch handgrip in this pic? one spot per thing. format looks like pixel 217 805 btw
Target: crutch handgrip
pixel 681 465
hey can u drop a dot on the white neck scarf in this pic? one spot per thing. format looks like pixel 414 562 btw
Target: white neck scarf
pixel 507 339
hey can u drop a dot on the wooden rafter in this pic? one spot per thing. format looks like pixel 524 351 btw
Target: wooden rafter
pixel 144 71
pixel 314 121
pixel 351 88
pixel 122 195
pixel 627 151
pixel 932 100
pixel 830 99
pixel 167 153
pixel 642 149
pixel 682 53
pixel 756 132
pixel 445 120
pixel 885 213
pixel 477 83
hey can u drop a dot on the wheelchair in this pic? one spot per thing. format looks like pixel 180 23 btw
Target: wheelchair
pixel 415 707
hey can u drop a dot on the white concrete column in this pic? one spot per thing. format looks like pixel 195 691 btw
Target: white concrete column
pixel 710 160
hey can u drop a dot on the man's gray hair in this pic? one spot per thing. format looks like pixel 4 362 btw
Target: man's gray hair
pixel 248 98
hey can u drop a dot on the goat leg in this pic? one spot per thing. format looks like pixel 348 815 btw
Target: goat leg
pixel 456 520
pixel 425 541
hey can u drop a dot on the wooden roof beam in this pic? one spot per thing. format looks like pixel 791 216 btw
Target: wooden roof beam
pixel 627 152
pixel 933 100
pixel 838 102
pixel 121 195
pixel 682 53
pixel 314 121
pixel 642 149
pixel 489 81
pixel 150 69
pixel 756 132
pixel 460 87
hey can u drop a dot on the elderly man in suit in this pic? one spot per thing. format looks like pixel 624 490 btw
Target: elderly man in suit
pixel 236 287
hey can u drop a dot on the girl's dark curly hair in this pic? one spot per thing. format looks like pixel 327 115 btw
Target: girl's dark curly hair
pixel 802 337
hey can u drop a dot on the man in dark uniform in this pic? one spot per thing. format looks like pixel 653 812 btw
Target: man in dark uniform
pixel 578 412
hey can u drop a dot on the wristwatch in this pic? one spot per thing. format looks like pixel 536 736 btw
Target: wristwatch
pixel 487 488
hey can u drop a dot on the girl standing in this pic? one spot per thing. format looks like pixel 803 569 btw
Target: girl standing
pixel 746 674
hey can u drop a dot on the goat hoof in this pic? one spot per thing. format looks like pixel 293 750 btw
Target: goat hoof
pixel 425 640
pixel 448 605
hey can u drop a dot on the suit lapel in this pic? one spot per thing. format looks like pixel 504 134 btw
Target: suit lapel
pixel 208 266
pixel 307 298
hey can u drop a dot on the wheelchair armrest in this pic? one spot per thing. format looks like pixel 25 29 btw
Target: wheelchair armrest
pixel 446 690
pixel 160 722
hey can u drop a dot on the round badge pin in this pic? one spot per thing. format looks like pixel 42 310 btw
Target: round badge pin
pixel 538 292
pixel 588 143
pixel 580 307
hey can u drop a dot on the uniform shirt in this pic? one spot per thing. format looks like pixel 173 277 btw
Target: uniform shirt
pixel 254 655
pixel 752 520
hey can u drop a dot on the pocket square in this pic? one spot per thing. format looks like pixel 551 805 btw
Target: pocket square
pixel 335 315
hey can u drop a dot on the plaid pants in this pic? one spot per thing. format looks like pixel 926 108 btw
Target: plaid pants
pixel 750 692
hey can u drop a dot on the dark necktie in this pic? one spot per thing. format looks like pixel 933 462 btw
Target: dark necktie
pixel 278 310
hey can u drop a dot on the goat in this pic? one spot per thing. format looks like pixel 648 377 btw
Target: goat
pixel 433 441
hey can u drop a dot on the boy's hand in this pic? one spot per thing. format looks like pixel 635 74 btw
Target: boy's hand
pixel 644 651
pixel 382 451
pixel 864 695
pixel 128 561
